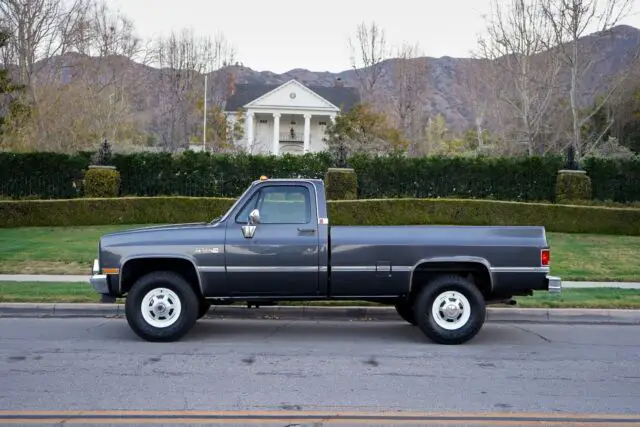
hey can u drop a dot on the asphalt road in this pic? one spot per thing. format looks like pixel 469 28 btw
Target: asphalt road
pixel 231 365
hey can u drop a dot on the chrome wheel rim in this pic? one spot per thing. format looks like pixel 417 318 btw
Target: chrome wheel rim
pixel 451 310
pixel 161 307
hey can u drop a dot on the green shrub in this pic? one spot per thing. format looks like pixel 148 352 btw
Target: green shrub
pixel 558 218
pixel 572 185
pixel 52 175
pixel 122 210
pixel 614 179
pixel 341 184
pixel 153 210
pixel 101 182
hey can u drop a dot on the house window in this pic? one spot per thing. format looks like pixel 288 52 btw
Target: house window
pixel 322 123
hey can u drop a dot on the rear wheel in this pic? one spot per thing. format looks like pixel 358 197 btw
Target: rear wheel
pixel 161 307
pixel 405 310
pixel 450 310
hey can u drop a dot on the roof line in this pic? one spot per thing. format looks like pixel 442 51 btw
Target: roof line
pixel 292 81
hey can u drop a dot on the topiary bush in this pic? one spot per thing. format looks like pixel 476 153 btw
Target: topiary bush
pixel 101 182
pixel 572 185
pixel 341 184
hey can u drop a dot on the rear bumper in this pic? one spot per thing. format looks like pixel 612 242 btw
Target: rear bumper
pixel 554 284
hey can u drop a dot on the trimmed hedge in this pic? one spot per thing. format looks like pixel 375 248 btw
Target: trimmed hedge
pixel 572 185
pixel 341 184
pixel 156 210
pixel 101 182
pixel 50 175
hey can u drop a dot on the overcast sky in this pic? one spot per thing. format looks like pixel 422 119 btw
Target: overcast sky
pixel 278 35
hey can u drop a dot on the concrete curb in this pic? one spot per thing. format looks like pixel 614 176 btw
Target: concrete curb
pixel 494 314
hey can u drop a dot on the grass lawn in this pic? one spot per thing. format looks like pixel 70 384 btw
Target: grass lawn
pixel 70 250
pixel 570 298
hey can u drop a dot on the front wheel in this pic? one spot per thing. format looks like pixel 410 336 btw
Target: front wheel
pixel 161 307
pixel 450 310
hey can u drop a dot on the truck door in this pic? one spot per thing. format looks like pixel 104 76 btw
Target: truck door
pixel 281 257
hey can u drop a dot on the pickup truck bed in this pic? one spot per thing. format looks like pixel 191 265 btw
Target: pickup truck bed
pixel 276 244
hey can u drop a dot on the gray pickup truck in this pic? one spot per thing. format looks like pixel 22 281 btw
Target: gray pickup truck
pixel 275 244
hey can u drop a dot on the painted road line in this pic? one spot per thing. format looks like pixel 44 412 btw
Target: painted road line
pixel 442 418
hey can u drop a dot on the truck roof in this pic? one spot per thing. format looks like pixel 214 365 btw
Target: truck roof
pixel 264 178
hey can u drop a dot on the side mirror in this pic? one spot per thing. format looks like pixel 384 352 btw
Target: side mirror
pixel 250 229
pixel 254 217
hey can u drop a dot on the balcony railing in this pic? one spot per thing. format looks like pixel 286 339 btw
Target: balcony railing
pixel 288 136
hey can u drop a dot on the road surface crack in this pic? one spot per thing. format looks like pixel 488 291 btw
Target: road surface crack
pixel 533 333
pixel 276 330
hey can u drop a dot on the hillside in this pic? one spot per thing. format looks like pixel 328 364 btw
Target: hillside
pixel 450 91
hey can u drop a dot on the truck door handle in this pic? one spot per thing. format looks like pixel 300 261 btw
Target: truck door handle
pixel 306 230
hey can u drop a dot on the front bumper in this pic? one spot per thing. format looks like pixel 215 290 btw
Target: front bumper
pixel 99 283
pixel 554 284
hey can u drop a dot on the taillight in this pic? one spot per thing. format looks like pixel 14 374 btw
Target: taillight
pixel 545 256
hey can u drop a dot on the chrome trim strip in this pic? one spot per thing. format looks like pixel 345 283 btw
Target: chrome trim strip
pixel 205 269
pixel 353 268
pixel 270 269
pixel 356 268
pixel 520 269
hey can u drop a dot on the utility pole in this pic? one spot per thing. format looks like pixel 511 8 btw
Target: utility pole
pixel 204 123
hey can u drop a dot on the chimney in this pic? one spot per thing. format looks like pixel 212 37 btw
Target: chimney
pixel 338 82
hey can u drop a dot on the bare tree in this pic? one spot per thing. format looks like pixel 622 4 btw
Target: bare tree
pixel 183 57
pixel 570 20
pixel 43 28
pixel 368 52
pixel 410 84
pixel 516 41
pixel 220 70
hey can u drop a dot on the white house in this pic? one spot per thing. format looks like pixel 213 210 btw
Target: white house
pixel 287 118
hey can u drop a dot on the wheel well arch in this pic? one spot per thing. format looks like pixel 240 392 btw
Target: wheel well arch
pixel 477 270
pixel 135 267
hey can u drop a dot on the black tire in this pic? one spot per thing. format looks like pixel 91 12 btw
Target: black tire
pixel 427 322
pixel 203 309
pixel 187 299
pixel 405 310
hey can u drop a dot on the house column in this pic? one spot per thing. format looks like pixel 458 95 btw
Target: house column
pixel 307 132
pixel 332 117
pixel 276 134
pixel 250 116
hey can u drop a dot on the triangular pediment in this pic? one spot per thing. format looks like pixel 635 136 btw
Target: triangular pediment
pixel 292 94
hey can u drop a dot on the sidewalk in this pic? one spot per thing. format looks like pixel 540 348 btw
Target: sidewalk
pixel 85 279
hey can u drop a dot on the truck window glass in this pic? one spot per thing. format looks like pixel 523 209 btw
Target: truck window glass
pixel 243 215
pixel 284 205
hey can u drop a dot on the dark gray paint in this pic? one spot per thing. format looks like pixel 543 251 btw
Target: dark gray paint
pixel 282 262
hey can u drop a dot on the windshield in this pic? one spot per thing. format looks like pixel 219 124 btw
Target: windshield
pixel 224 216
